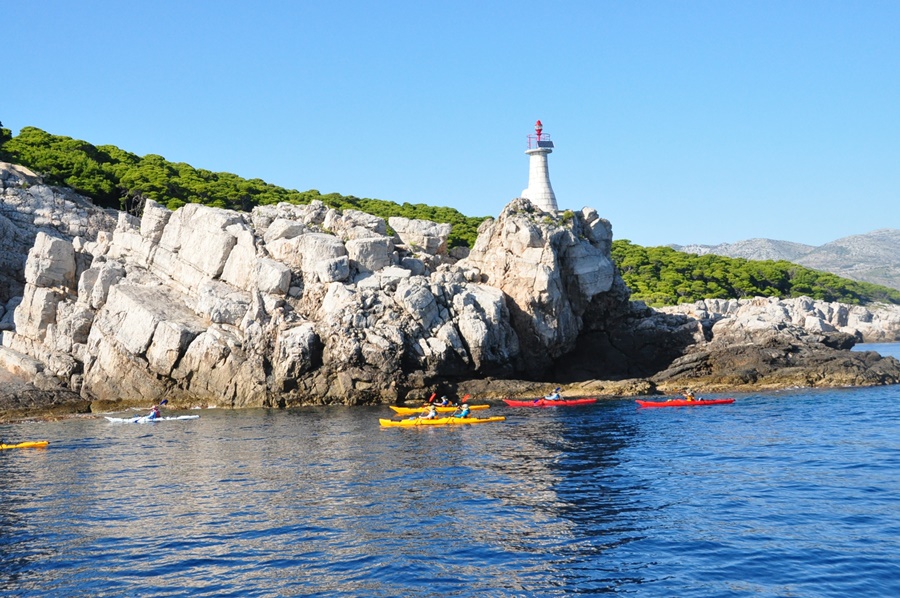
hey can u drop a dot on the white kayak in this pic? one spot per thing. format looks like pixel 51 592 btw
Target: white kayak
pixel 147 420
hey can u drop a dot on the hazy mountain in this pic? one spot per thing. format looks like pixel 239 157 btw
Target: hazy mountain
pixel 753 249
pixel 873 257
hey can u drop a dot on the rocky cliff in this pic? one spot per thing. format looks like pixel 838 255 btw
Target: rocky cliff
pixel 772 343
pixel 877 323
pixel 291 305
pixel 296 304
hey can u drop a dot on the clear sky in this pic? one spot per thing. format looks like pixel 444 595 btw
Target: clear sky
pixel 680 122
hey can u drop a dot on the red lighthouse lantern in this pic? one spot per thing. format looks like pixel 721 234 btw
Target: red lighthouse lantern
pixel 538 127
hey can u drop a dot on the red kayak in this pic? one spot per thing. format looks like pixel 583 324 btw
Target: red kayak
pixel 547 403
pixel 684 403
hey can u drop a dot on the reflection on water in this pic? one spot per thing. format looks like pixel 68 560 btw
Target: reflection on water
pixel 321 501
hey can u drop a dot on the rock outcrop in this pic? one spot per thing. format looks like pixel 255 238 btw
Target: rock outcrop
pixel 28 207
pixel 877 323
pixel 286 305
pixel 552 270
pixel 292 305
pixel 778 343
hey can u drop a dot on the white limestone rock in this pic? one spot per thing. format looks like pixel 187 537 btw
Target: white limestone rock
pixel 170 341
pixel 51 262
pixel 271 277
pixel 95 282
pixel 222 303
pixel 421 235
pixel 36 311
pixel 353 224
pixel 370 254
pixel 483 322
pixel 295 350
pixel 415 297
pixel 283 228
pixel 154 220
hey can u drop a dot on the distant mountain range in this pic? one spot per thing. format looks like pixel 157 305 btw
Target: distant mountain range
pixel 873 257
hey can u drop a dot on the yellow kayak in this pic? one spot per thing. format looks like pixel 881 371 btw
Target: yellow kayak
pixel 440 421
pixel 33 444
pixel 424 409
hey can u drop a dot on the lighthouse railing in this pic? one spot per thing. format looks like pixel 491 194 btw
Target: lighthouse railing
pixel 535 142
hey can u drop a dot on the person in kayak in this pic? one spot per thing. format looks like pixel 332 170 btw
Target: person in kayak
pixel 462 411
pixel 553 396
pixel 430 414
pixel 444 402
pixel 689 395
pixel 154 411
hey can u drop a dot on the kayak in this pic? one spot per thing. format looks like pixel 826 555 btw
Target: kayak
pixel 684 403
pixel 146 420
pixel 547 403
pixel 414 410
pixel 440 421
pixel 32 444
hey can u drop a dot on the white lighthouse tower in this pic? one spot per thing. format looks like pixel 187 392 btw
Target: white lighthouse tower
pixel 539 190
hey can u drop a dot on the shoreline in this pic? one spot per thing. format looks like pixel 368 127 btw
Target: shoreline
pixel 12 411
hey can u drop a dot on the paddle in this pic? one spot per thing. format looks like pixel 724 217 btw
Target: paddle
pixel 459 405
pixel 431 399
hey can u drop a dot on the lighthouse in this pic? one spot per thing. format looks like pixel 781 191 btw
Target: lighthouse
pixel 539 190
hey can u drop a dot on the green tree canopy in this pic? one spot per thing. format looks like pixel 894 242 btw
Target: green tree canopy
pixel 115 178
pixel 662 276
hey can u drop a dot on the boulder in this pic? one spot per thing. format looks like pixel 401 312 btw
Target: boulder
pixel 51 262
pixel 421 235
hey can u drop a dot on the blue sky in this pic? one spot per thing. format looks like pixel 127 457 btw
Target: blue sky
pixel 680 122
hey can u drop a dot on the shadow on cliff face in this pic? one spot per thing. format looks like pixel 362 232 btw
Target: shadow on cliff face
pixel 630 345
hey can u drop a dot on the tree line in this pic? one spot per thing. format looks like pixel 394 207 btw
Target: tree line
pixel 663 276
pixel 115 178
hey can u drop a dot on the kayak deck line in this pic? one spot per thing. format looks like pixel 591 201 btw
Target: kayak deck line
pixel 549 403
pixel 146 420
pixel 684 403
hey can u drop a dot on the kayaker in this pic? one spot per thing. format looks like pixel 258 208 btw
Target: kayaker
pixel 154 411
pixel 462 411
pixel 689 395
pixel 430 414
pixel 444 402
pixel 553 396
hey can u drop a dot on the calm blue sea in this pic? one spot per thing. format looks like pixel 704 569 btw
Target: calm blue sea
pixel 792 493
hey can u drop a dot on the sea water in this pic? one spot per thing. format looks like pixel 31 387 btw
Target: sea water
pixel 790 493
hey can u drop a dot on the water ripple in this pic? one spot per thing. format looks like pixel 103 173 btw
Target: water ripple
pixel 774 495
